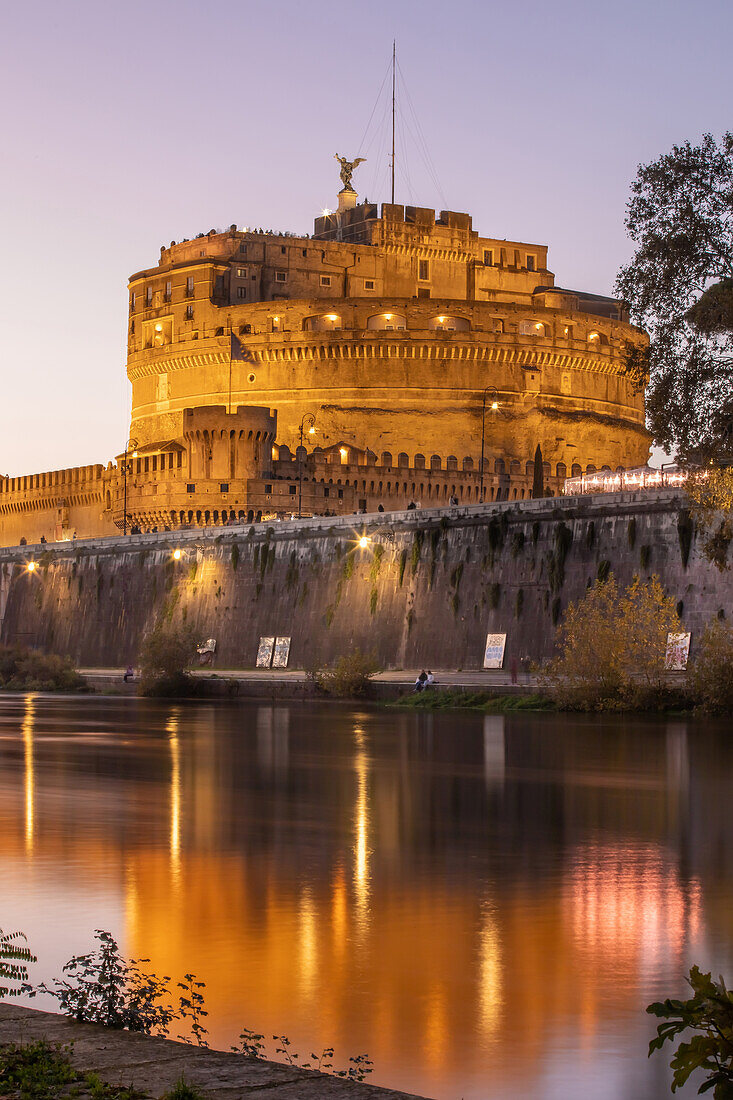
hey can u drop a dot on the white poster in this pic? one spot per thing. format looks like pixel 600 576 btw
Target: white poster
pixel 494 652
pixel 282 652
pixel 264 652
pixel 678 651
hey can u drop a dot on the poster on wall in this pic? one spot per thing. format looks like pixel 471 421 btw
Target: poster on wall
pixel 678 652
pixel 494 652
pixel 281 654
pixel 264 652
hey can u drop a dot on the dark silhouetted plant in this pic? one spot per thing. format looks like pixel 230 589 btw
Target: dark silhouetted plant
pixel 15 958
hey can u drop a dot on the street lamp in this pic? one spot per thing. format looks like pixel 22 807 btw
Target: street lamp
pixel 494 406
pixel 131 445
pixel 310 420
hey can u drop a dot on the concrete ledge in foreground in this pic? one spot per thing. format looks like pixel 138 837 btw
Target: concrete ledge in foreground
pixel 154 1065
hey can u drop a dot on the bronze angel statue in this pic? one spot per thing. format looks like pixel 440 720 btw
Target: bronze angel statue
pixel 347 168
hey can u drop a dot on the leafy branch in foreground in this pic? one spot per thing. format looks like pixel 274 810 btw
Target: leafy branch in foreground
pixel 709 1013
pixel 15 957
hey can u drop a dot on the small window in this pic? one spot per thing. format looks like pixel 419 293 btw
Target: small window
pixel 293 489
pixel 189 286
pixel 245 330
pixel 305 251
pixel 568 332
pixel 132 302
pixel 283 249
pixel 326 492
pixel 241 291
pixel 224 487
pixel 189 313
pixel 281 276
pixel 369 284
pixel 190 488
pixel 243 250
pixel 423 270
pixel 219 285
pixel 325 280
pixel 168 291
pixel 148 296
pixel 531 263
pixel 241 272
pixel 341 494
pixel 488 257
pixel 423 292
pixel 219 331
pixel 132 328
pixel 268 488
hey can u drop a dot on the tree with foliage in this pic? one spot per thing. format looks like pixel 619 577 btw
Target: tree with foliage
pixel 708 1013
pixel 167 651
pixel 612 645
pixel 679 287
pixel 711 673
pixel 15 957
pixel 538 480
pixel 350 676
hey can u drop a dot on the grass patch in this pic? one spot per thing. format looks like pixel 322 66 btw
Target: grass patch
pixel 461 699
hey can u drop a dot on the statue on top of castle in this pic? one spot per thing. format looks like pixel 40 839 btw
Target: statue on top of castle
pixel 347 168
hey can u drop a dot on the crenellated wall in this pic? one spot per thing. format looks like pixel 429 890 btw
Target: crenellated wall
pixel 57 505
pixel 425 590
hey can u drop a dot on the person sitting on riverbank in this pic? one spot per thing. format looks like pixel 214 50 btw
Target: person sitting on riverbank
pixel 429 681
pixel 129 674
pixel 421 680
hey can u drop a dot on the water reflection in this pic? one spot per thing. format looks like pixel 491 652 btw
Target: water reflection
pixel 484 904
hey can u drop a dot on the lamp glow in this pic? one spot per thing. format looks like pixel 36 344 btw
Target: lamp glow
pixel 31 567
pixel 363 542
pixel 312 430
pixel 343 452
pixel 494 405
pixel 176 555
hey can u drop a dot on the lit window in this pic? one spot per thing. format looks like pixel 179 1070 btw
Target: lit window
pixel 241 272
pixel 281 276
pixel 593 337
pixel 423 270
pixel 369 284
pixel 241 291
pixel 568 332
pixel 148 296
pixel 325 280
pixel 531 263
pixel 488 257
pixel 189 286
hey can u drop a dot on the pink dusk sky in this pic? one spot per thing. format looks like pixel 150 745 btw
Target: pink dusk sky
pixel 128 125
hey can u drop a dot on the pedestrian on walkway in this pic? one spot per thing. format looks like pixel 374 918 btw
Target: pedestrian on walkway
pixel 526 666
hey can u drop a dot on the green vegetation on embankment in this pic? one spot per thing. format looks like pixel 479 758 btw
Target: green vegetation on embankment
pixel 460 698
pixel 24 669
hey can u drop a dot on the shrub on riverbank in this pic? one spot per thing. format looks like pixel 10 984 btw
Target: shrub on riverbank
pixel 612 648
pixel 711 674
pixel 709 1015
pixel 349 677
pixel 165 655
pixel 24 669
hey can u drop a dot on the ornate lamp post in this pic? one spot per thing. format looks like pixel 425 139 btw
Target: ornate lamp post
pixel 490 390
pixel 310 420
pixel 131 445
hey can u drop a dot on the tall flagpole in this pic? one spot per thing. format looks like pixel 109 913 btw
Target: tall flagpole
pixel 393 105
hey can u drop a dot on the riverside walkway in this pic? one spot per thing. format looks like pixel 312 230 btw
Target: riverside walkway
pixel 153 1066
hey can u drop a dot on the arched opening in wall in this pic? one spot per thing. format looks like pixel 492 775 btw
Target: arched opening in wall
pixel 419 462
pixel 577 470
pixel 108 499
pixel 322 322
pixel 245 330
pixel 533 328
pixel 562 470
pixel 500 466
pixel 387 322
pixel 467 463
pixel 216 515
pixel 605 469
pixel 597 339
pixel 250 515
pixel 620 469
pixel 446 323
pixel 190 517
pixel 436 462
pixel 590 469
pixel 386 459
pixel 515 467
pixel 402 459
pixel 198 517
pixel 451 463
pixel 207 518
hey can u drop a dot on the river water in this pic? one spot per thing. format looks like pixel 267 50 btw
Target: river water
pixel 483 904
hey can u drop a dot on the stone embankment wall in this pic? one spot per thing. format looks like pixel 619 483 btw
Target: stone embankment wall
pixel 425 590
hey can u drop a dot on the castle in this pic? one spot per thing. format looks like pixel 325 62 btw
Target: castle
pixel 391 358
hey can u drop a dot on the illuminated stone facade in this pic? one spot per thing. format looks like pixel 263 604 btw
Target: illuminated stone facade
pixel 401 336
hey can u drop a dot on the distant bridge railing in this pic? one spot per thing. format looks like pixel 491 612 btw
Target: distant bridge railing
pixel 628 480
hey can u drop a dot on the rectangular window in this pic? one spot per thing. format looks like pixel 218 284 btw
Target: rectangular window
pixel 326 492
pixel 369 284
pixel 148 296
pixel 268 488
pixel 189 313
pixel 189 286
pixel 281 276
pixel 293 489
pixel 219 285
pixel 241 291
pixel 531 261
pixel 488 257
pixel 423 292
pixel 243 250
pixel 283 249
pixel 168 291
pixel 341 494
pixel 190 488
pixel 325 280
pixel 241 272
pixel 224 487
pixel 423 270
pixel 132 302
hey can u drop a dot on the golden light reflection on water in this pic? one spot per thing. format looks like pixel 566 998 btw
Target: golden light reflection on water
pixel 30 772
pixel 385 897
